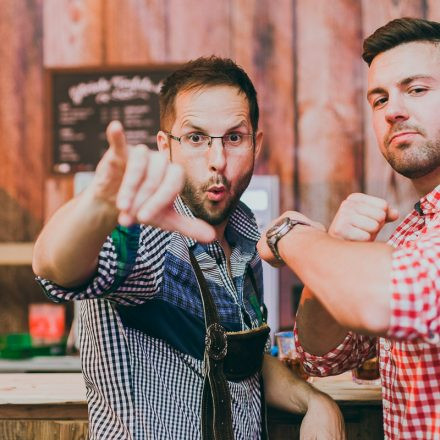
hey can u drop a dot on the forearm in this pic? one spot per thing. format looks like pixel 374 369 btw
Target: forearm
pixel 283 388
pixel 350 279
pixel 286 391
pixel 67 249
pixel 318 331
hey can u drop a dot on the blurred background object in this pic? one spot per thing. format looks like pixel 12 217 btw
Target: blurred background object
pixel 287 353
pixel 47 323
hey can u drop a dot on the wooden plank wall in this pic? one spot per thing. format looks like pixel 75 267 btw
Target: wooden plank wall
pixel 22 150
pixel 303 56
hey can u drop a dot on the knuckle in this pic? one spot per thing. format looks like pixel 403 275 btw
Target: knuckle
pixel 381 216
pixel 383 204
pixel 355 196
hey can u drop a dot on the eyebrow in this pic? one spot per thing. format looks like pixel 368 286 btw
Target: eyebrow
pixel 188 124
pixel 403 82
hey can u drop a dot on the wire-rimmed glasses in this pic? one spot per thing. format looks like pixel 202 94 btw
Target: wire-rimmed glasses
pixel 234 141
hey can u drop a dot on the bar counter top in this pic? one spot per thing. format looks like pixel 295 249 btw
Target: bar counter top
pixel 62 388
pixel 53 406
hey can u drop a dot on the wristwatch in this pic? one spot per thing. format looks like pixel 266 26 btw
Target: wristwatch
pixel 279 230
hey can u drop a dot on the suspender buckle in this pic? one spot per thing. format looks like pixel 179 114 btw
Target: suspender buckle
pixel 216 342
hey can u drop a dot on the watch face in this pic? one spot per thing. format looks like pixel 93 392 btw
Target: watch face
pixel 275 228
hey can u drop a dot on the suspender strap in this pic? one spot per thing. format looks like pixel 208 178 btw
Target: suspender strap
pixel 216 416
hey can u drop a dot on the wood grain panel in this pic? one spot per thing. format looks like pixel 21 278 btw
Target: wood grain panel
pixel 145 31
pixel 21 150
pixel 196 28
pixel 136 31
pixel 380 179
pixel 329 110
pixel 73 32
pixel 432 10
pixel 262 38
pixel 73 36
pixel 43 429
pixel 21 120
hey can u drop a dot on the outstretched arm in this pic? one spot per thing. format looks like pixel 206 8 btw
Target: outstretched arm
pixel 359 218
pixel 131 185
pixel 350 279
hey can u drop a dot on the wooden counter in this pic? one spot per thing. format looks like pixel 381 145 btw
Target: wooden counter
pixel 53 406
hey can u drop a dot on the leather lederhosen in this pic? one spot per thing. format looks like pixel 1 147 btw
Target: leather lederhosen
pixel 232 356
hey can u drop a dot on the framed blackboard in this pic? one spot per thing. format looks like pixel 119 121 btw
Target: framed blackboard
pixel 82 101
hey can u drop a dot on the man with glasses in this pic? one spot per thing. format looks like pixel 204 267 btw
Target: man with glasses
pixel 173 330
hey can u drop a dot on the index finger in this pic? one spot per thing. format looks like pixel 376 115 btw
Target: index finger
pixel 116 139
pixel 195 228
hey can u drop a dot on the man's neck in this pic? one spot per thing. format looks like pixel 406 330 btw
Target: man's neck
pixel 424 185
pixel 220 237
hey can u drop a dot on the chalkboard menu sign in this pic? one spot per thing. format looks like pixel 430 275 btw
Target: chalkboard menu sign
pixel 83 102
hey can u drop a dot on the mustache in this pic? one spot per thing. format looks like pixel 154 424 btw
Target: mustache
pixel 216 180
pixel 399 127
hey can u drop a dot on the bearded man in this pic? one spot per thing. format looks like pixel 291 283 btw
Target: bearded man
pixel 154 296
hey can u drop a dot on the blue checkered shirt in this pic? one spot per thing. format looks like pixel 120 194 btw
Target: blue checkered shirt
pixel 142 369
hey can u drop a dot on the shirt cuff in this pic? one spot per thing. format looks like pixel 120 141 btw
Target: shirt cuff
pixel 334 362
pixel 95 288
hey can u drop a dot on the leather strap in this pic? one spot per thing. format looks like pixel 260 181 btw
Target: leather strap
pixel 216 417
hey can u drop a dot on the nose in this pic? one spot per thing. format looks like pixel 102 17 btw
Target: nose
pixel 396 110
pixel 217 156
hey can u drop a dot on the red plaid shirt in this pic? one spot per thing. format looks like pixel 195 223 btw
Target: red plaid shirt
pixel 410 356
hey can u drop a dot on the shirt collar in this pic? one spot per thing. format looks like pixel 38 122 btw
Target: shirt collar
pixel 430 203
pixel 241 229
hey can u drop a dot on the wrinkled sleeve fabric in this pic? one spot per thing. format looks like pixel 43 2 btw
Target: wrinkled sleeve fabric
pixel 116 277
pixel 415 289
pixel 349 354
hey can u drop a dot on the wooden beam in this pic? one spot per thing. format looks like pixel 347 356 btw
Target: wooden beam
pixel 329 109
pixel 16 254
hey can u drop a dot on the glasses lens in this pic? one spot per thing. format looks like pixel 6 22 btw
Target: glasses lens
pixel 237 141
pixel 195 140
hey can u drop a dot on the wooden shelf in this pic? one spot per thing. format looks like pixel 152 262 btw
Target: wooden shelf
pixel 16 254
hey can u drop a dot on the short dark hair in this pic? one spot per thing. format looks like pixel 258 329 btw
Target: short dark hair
pixel 400 31
pixel 206 72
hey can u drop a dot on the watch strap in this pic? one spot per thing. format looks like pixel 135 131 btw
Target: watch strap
pixel 283 230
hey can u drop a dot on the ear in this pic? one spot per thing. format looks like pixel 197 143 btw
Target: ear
pixel 163 142
pixel 258 143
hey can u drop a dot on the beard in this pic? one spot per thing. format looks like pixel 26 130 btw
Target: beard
pixel 416 159
pixel 195 198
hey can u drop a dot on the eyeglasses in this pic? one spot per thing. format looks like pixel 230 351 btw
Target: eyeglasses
pixel 237 142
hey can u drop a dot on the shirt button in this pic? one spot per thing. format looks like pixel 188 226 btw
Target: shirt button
pixel 433 338
pixel 387 345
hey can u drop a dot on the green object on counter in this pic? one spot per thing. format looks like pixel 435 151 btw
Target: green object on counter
pixel 16 346
pixel 19 346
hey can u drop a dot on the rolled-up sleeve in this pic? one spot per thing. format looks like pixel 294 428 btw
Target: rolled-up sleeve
pixel 349 354
pixel 97 287
pixel 415 290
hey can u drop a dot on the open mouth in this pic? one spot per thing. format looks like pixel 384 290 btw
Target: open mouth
pixel 216 193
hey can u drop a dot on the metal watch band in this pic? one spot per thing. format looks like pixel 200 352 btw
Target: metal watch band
pixel 282 230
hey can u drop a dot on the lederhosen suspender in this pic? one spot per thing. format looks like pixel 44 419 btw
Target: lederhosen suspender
pixel 234 356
